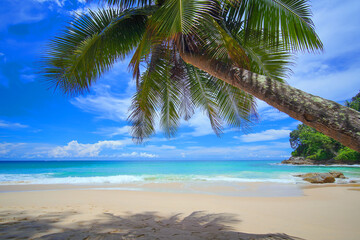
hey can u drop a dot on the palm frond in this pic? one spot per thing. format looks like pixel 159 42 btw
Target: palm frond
pixel 162 91
pixel 186 108
pixel 204 97
pixel 236 107
pixel 125 4
pixel 142 51
pixel 143 108
pixel 181 16
pixel 288 21
pixel 274 64
pixel 90 46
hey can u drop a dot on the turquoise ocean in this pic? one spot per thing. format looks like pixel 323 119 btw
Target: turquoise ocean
pixel 123 172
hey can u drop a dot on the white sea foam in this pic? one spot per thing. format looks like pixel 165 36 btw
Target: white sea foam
pixel 123 179
pixel 236 179
pixel 43 179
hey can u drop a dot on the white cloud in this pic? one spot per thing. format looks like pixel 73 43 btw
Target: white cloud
pixel 269 151
pixel 6 148
pixel 114 131
pixel 75 149
pixel 26 78
pixel 336 22
pixel 337 85
pixel 267 135
pixel 60 3
pixel 156 148
pixel 104 104
pixel 20 12
pixel 272 114
pixel 137 154
pixel 200 123
pixel 9 125
pixel 84 9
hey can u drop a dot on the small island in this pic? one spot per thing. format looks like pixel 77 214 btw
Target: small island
pixel 314 148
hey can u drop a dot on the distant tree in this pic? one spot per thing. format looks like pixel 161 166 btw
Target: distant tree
pixel 314 145
pixel 354 103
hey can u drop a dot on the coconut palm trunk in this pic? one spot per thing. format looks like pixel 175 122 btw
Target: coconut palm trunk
pixel 334 120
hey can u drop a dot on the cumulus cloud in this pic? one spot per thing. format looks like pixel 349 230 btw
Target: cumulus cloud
pixel 267 135
pixel 110 150
pixel 75 149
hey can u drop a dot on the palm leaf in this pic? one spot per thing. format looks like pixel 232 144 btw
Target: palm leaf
pixel 236 107
pixel 125 4
pixel 90 46
pixel 203 96
pixel 143 109
pixel 288 21
pixel 181 16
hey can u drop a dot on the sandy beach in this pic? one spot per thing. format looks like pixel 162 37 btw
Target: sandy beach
pixel 81 212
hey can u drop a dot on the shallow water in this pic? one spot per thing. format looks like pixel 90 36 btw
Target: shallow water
pixel 123 172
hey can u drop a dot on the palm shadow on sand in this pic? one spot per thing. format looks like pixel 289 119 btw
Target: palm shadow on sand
pixel 146 225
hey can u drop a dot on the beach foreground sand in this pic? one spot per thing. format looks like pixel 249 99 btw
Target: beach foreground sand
pixel 321 213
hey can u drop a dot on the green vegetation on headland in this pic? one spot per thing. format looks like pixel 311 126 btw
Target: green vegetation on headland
pixel 313 145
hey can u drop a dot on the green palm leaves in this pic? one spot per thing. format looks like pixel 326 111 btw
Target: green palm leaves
pixel 258 35
pixel 170 90
pixel 90 46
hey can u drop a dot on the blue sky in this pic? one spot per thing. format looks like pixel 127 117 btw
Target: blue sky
pixel 40 124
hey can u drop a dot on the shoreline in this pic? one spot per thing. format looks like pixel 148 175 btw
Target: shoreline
pixel 322 212
pixel 242 189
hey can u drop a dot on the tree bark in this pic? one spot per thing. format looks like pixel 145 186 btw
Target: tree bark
pixel 334 120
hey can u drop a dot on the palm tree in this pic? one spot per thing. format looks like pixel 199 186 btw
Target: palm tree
pixel 216 55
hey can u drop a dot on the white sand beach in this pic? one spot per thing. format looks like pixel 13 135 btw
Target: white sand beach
pixel 322 212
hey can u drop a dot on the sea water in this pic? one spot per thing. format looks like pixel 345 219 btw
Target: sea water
pixel 123 172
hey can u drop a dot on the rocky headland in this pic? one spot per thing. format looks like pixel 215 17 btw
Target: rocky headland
pixel 306 161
